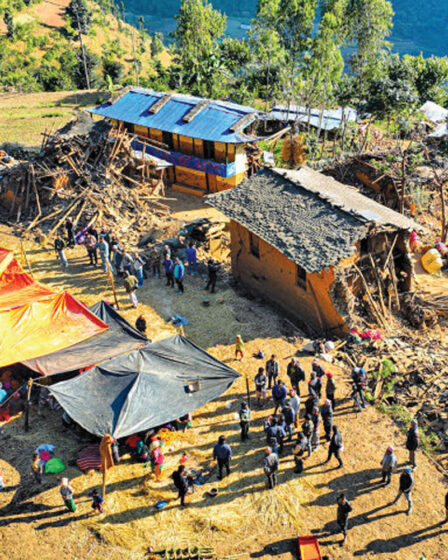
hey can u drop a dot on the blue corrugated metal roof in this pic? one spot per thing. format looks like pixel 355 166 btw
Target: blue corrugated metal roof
pixel 331 119
pixel 212 123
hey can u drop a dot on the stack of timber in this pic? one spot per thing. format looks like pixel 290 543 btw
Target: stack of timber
pixel 86 170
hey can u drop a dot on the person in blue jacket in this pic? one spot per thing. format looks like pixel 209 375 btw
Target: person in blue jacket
pixel 192 259
pixel 179 273
pixel 279 395
pixel 169 269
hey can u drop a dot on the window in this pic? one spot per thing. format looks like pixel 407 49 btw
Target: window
pixel 301 277
pixel 167 139
pixel 254 245
pixel 209 150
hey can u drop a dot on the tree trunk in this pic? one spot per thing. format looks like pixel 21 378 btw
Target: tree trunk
pixel 83 52
pixel 444 224
pixel 135 60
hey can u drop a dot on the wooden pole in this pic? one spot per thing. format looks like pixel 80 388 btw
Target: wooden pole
pixel 25 257
pixel 27 404
pixel 112 283
pixel 103 487
pixel 247 391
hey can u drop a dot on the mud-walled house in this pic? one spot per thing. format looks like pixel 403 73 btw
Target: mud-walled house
pixel 312 246
pixel 207 142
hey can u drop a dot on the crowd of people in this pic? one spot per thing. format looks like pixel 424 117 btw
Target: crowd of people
pixel 131 266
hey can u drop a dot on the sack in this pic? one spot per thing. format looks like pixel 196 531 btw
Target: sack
pixel 54 466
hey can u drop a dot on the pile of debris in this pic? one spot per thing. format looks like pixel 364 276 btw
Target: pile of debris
pixel 87 170
pixel 419 384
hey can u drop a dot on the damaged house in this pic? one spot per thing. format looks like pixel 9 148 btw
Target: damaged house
pixel 208 143
pixel 313 246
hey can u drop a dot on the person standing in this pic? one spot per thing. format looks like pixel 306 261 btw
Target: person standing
pixel 318 368
pixel 157 459
pixel 279 395
pixel 126 262
pixel 168 266
pixel 59 247
pixel 388 465
pixel 330 389
pixel 137 266
pixel 155 262
pixel 295 403
pixel 359 381
pixel 327 418
pixel 37 469
pixel 290 419
pixel 103 247
pixel 299 450
pixel 130 285
pixel 90 244
pixel 166 252
pixel 270 467
pixel 140 324
pixel 315 419
pixel 260 386
pixel 116 256
pixel 70 233
pixel 405 488
pixel 275 434
pixel 336 447
pixel 344 509
pixel 212 270
pixel 245 417
pixel 239 347
pixel 222 453
pixel 296 374
pixel 97 501
pixel 314 386
pixel 307 430
pixel 272 370
pixel 181 483
pixel 413 443
pixel 179 273
pixel 191 255
pixel 67 494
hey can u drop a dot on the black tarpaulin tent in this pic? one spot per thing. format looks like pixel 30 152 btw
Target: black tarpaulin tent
pixel 119 338
pixel 144 389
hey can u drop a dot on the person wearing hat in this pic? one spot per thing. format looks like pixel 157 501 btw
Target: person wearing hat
pixel 335 446
pixel 344 509
pixel 388 465
pixel 327 418
pixel 272 370
pixel 67 494
pixel 330 389
pixel 222 453
pixel 239 347
pixel 212 271
pixel 270 467
pixel 296 374
pixel 413 442
pixel 245 417
pixel 294 399
pixel 405 488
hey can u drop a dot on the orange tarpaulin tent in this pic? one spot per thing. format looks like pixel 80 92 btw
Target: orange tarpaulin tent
pixel 35 321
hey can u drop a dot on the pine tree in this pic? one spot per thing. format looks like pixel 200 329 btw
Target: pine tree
pixel 9 22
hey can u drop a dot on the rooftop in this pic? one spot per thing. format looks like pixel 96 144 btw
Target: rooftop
pixel 216 121
pixel 309 217
pixel 331 118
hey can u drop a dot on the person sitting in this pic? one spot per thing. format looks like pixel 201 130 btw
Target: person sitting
pixel 141 452
pixel 184 422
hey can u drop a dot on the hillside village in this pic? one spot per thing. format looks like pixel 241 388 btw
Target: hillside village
pixel 223 301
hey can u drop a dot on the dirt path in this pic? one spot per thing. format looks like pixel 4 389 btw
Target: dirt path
pixel 245 520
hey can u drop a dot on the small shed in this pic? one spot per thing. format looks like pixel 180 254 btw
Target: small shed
pixel 328 120
pixel 306 243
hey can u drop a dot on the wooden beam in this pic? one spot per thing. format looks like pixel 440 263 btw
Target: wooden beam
pixel 161 102
pixel 194 111
pixel 243 122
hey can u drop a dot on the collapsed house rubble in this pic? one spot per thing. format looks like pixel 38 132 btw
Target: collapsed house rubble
pixel 87 171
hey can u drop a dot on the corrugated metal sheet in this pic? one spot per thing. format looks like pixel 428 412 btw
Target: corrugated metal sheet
pixel 331 119
pixel 212 123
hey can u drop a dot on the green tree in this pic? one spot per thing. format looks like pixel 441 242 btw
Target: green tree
pixel 81 19
pixel 368 24
pixel 9 22
pixel 141 24
pixel 90 62
pixel 198 65
pixel 156 44
pixel 431 77
pixel 122 11
pixel 266 46
pixel 114 69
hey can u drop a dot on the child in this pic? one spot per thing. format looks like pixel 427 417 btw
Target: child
pixel 97 501
pixel 239 347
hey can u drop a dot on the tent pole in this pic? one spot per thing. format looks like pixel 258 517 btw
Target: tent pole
pixel 112 283
pixel 103 489
pixel 248 391
pixel 27 405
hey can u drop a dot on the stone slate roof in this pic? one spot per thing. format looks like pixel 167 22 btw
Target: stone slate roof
pixel 309 217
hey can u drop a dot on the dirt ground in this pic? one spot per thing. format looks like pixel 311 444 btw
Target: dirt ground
pixel 245 520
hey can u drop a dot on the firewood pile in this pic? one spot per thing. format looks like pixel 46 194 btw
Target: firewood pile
pixel 86 170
